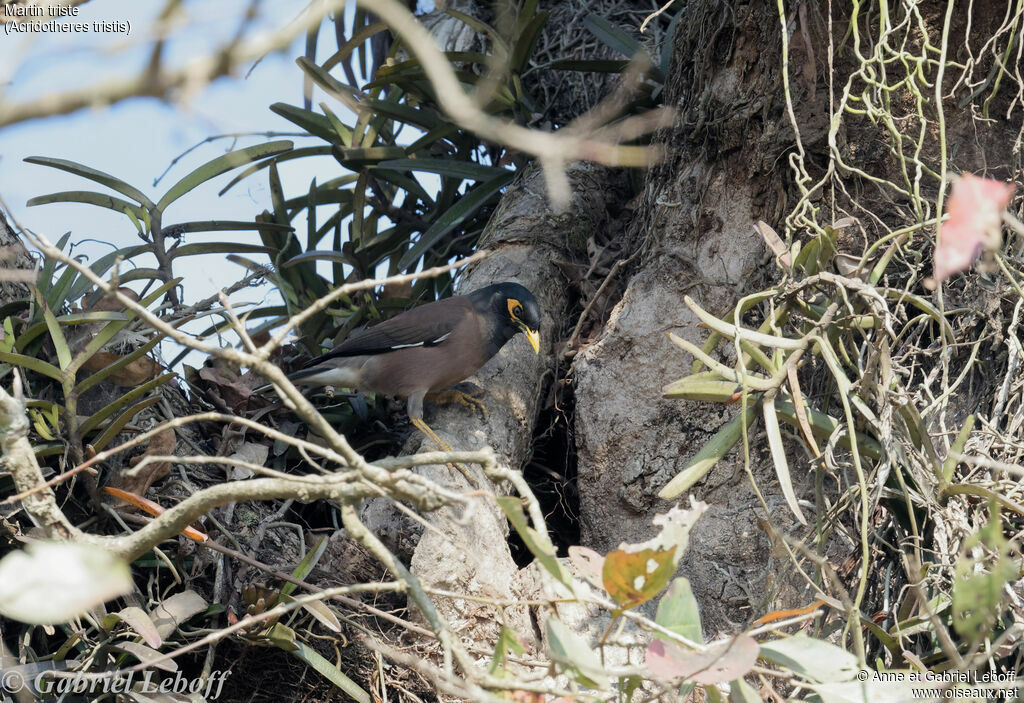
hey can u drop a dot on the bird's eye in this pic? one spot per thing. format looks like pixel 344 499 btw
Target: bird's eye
pixel 517 311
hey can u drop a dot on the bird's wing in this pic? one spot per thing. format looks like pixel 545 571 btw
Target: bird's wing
pixel 426 325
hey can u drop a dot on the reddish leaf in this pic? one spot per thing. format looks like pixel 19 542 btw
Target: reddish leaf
pixel 154 509
pixel 632 578
pixel 976 208
pixel 722 662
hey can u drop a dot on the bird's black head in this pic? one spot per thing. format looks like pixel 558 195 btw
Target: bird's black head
pixel 513 309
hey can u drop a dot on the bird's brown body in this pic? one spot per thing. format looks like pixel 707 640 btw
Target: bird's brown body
pixel 430 347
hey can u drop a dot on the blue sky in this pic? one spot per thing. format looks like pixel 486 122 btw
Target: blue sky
pixel 136 140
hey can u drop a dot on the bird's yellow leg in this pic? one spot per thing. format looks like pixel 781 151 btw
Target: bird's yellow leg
pixel 466 400
pixel 443 446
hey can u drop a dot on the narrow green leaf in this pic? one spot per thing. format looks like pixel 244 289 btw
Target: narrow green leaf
pixel 115 427
pixel 771 426
pixel 822 426
pixel 703 389
pixel 93 175
pixel 538 544
pixel 223 226
pixel 316 125
pixel 445 167
pixel 709 455
pixel 357 40
pixel 499 42
pixel 33 364
pixel 130 397
pixel 305 566
pixel 590 66
pixel 222 164
pixel 218 248
pixel 358 157
pixel 612 35
pixel 289 156
pixel 60 342
pixel 422 117
pixel 313 658
pixel 101 266
pixel 46 272
pixel 526 42
pixel 454 216
pixel 89 198
pixel 318 255
pixel 949 465
pixel 95 378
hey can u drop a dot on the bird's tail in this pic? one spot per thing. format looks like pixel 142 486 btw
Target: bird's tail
pixel 337 376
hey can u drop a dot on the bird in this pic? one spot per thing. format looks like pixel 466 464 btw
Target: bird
pixel 429 348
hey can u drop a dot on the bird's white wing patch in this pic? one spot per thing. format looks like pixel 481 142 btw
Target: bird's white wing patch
pixel 431 343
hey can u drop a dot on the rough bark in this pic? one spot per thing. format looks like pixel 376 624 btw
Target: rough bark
pixel 696 224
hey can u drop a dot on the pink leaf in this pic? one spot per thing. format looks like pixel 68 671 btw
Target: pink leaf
pixel 975 209
pixel 726 661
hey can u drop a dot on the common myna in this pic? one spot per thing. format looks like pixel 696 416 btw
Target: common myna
pixel 429 347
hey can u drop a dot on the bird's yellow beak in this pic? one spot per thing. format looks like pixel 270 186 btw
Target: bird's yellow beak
pixel 534 337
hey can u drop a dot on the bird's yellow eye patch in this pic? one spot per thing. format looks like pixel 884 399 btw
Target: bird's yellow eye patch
pixel 515 308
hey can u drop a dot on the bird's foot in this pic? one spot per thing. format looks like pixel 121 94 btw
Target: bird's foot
pixel 471 399
pixel 444 447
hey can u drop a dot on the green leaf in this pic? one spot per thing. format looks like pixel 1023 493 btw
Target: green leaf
pixel 709 455
pixel 508 641
pixel 60 342
pixel 218 248
pixel 130 397
pixel 742 692
pixel 526 42
pixel 771 426
pixel 422 117
pixel 357 157
pixel 103 373
pixel 318 255
pixel 313 658
pixel 316 125
pixel 702 388
pixel 499 42
pixel 571 651
pixel 467 170
pixel 305 566
pixel 454 216
pixel 93 175
pixel 90 198
pixel 45 280
pixel 33 364
pixel 289 156
pixel 590 66
pixel 979 581
pixel 678 611
pixel 356 41
pixel 949 465
pixel 811 659
pixel 612 35
pixel 222 164
pixel 101 266
pixel 538 544
pixel 115 427
pixel 224 225
pixel 822 426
